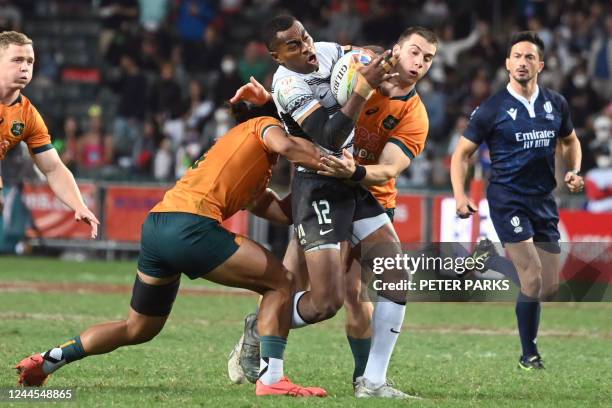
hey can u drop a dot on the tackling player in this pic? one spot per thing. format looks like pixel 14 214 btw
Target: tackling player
pixel 183 234
pixel 20 121
pixel 521 125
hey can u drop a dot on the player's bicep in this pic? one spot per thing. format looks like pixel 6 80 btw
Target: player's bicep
pixel 569 139
pixel 294 96
pixel 395 157
pixel 47 161
pixel 479 125
pixel 465 147
pixel 275 138
pixel 567 126
pixel 37 137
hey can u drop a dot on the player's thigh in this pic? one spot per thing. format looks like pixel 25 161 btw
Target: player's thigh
pixel 295 261
pixel 383 243
pixel 252 267
pixel 510 215
pixel 326 271
pixel 322 211
pixel 174 243
pixel 545 219
pixel 369 218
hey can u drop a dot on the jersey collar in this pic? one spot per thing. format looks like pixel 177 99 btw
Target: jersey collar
pixel 407 96
pixel 529 104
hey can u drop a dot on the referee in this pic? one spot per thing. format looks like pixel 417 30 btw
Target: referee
pixel 522 126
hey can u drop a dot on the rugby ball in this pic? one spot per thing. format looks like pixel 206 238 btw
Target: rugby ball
pixel 344 74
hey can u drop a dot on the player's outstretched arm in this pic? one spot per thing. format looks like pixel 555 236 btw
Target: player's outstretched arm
pixel 572 154
pixel 391 163
pixel 64 186
pixel 458 169
pixel 269 206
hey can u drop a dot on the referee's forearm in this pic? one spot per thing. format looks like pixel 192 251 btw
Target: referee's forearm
pixel 459 166
pixel 572 154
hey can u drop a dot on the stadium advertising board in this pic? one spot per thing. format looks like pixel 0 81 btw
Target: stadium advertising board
pixel 408 221
pixel 127 207
pixel 54 219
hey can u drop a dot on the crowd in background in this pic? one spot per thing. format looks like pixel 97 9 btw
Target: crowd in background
pixel 172 65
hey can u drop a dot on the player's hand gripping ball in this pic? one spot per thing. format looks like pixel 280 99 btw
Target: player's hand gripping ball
pixel 344 74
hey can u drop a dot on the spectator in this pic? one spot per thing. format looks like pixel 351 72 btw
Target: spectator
pixel 113 14
pixel 153 13
pixel 69 149
pixel 600 61
pixel 255 62
pixel 344 22
pixel 131 87
pixel 10 16
pixel 435 102
pixel 228 82
pixel 193 19
pixel 200 106
pixel 145 147
pixel 94 146
pixel 580 94
pixel 435 12
pixel 214 49
pixel 165 101
pixel 163 162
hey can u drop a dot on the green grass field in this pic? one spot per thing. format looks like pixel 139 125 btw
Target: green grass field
pixel 448 354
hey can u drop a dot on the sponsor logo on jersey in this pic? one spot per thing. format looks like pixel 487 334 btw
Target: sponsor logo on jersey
pixel 390 122
pixel 512 113
pixel 364 155
pixel 534 135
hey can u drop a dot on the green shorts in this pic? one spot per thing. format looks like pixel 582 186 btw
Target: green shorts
pixel 186 243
